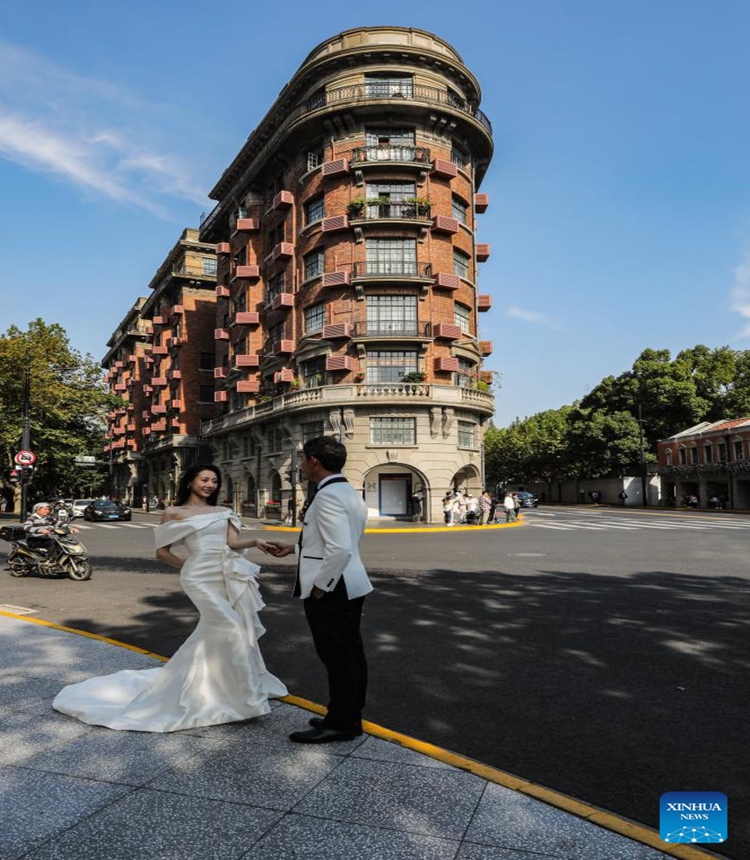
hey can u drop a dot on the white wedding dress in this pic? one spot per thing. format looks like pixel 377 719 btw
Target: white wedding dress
pixel 218 675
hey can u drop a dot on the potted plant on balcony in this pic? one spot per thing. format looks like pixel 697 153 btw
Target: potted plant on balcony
pixel 416 207
pixel 414 376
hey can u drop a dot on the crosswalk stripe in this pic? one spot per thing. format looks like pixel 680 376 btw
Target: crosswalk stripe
pixel 134 525
pixel 556 528
pixel 107 526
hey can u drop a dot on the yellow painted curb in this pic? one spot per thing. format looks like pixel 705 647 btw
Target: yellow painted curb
pixel 600 817
pixel 423 531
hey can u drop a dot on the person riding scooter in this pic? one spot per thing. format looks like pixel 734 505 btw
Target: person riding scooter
pixel 42 521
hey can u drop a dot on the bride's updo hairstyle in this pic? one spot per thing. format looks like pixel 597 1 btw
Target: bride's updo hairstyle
pixel 183 491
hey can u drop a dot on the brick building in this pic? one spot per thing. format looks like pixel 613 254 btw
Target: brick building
pixel 178 384
pixel 125 366
pixel 710 460
pixel 347 277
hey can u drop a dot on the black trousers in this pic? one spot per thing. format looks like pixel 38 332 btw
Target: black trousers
pixel 334 622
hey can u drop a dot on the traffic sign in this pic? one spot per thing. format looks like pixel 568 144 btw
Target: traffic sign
pixel 25 458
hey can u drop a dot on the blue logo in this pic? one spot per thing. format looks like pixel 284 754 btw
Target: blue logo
pixel 693 816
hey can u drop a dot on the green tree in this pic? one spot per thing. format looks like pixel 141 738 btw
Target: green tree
pixel 68 404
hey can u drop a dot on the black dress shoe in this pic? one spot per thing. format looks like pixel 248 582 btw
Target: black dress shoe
pixel 322 735
pixel 318 721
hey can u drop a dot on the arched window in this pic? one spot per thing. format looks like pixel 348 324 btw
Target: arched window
pixel 668 456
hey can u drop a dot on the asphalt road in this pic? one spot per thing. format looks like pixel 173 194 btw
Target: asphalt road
pixel 597 651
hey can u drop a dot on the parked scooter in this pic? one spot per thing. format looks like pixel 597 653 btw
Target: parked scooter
pixel 56 554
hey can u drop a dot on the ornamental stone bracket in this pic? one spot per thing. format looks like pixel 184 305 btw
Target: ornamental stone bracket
pixel 334 419
pixel 392 455
pixel 436 415
pixel 349 423
pixel 448 418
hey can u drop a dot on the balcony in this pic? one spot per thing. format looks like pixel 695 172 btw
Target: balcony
pixel 243 361
pixel 221 334
pixel 159 381
pixel 485 347
pixel 223 292
pixel 246 318
pixel 393 269
pixel 247 386
pixel 160 350
pixel 120 386
pixel 194 270
pixel 158 409
pixel 444 224
pixel 444 169
pixel 132 359
pixel 397 211
pixel 159 320
pixel 247 272
pixel 175 404
pixel 481 202
pixel 335 168
pixel 221 396
pixel 178 309
pixel 333 331
pixel 484 303
pixel 391 329
pixel 247 225
pixel 385 154
pixel 174 374
pixel 284 375
pixel 282 201
pixel 339 362
pixel 446 364
pixel 223 248
pixel 483 253
pixel 336 279
pixel 282 250
pixel 446 331
pixel 283 347
pixel 220 373
pixel 282 300
pixel 158 426
pixel 176 341
pixel 447 281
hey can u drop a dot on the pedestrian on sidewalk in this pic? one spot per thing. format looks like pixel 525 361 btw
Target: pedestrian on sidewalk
pixel 485 505
pixel 510 507
pixel 448 508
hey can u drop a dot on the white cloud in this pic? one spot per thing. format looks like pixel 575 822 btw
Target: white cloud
pixel 740 292
pixel 533 317
pixel 89 131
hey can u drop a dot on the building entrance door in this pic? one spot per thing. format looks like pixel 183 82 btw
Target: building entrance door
pixel 395 491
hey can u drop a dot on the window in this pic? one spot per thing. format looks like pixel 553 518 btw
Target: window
pixel 315 158
pixel 459 157
pixel 240 303
pixel 460 210
pixel 393 431
pixel 239 401
pixel 460 263
pixel 668 457
pixel 313 372
pixel 206 361
pixel 311 430
pixel 240 258
pixel 317 99
pixel 738 455
pixel 708 454
pixel 315 209
pixel 683 456
pixel 722 452
pixel 206 394
pixel 462 317
pixel 314 264
pixel 394 191
pixel 209 265
pixel 391 256
pixel 391 315
pixel 277 333
pixel 275 287
pixel 466 434
pixel 694 455
pixel 315 317
pixel 277 235
pixel 465 373
pixel 377 86
pixel 241 346
pixel 275 438
pixel 390 144
pixel 390 365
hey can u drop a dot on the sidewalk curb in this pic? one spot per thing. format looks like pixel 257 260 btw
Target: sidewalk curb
pixel 601 817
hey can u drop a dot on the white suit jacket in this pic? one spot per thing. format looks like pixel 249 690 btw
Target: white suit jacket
pixel 329 543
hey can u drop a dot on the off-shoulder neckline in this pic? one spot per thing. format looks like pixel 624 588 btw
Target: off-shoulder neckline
pixel 195 516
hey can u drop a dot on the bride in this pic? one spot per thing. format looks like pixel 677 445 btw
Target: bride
pixel 218 675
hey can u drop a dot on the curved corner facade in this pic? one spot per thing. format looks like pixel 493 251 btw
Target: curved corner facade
pixel 347 297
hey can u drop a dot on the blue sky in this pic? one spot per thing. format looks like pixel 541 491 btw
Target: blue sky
pixel 619 211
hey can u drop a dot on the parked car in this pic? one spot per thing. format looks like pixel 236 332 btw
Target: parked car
pixel 105 510
pixel 527 500
pixel 79 506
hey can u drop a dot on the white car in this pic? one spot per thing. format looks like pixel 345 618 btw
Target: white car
pixel 80 505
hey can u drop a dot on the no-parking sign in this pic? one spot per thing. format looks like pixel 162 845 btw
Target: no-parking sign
pixel 25 458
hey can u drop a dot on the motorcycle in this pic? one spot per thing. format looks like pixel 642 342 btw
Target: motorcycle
pixel 51 555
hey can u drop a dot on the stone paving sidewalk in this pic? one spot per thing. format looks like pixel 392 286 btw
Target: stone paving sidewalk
pixel 70 791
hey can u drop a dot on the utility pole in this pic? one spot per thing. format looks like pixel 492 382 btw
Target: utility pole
pixel 643 457
pixel 26 433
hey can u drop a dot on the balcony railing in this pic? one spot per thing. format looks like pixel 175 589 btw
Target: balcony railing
pixel 383 211
pixel 392 269
pixel 195 271
pixel 370 154
pixel 391 328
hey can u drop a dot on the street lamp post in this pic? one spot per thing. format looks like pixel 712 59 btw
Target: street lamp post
pixel 26 433
pixel 643 457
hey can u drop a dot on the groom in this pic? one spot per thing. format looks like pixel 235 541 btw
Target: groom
pixel 332 582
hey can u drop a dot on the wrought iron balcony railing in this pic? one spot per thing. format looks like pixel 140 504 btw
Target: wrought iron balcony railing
pixel 379 211
pixel 391 328
pixel 387 152
pixel 392 269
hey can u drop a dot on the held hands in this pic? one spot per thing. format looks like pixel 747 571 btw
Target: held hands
pixel 276 548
